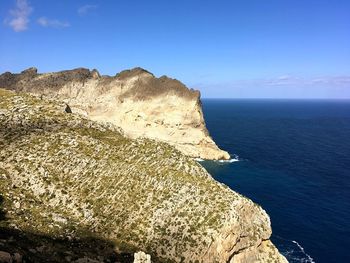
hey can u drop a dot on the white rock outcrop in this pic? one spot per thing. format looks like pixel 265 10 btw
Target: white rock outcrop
pixel 142 257
pixel 135 100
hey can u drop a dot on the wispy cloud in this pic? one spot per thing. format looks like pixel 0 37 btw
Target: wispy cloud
pixel 85 9
pixel 334 80
pixel 281 80
pixel 288 80
pixel 20 16
pixel 286 86
pixel 45 22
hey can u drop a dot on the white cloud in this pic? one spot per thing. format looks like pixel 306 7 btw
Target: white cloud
pixel 322 86
pixel 288 80
pixel 342 80
pixel 45 22
pixel 20 16
pixel 285 77
pixel 282 80
pixel 319 81
pixel 85 9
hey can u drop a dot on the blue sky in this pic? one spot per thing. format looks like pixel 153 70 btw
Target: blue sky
pixel 238 49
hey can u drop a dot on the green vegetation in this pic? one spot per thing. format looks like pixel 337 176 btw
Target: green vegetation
pixel 67 176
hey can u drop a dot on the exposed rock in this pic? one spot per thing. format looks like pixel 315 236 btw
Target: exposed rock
pixel 17 258
pixel 142 257
pixel 135 100
pixel 77 179
pixel 68 109
pixel 5 257
pixel 267 253
pixel 30 71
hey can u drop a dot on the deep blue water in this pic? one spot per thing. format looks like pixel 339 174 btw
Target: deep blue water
pixel 294 160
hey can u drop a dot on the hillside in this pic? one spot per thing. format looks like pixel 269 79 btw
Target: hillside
pixel 68 182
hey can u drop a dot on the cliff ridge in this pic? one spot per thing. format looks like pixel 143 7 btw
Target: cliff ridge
pixel 135 100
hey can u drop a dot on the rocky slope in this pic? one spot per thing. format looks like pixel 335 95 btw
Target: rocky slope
pixel 141 104
pixel 69 185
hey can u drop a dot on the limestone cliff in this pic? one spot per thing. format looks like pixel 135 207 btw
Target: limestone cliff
pixel 135 100
pixel 71 179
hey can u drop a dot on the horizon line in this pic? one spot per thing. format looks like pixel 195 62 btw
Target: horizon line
pixel 269 98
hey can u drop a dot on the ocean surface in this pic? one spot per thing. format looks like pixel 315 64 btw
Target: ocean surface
pixel 293 158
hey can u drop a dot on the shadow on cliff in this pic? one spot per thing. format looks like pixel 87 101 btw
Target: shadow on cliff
pixel 17 131
pixel 2 212
pixel 33 247
pixel 26 246
pixel 41 248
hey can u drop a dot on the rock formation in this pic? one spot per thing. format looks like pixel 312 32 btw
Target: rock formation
pixel 142 257
pixel 67 178
pixel 135 100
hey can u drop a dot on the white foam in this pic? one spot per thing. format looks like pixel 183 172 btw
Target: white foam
pixel 309 258
pixel 293 254
pixel 235 159
pixel 229 161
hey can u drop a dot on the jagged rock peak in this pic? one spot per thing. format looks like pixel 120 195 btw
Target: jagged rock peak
pixel 31 71
pixel 132 72
pixel 95 74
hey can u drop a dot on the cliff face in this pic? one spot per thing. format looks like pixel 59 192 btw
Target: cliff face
pixel 141 104
pixel 70 178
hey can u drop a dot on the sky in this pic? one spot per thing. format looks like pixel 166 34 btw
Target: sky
pixel 226 49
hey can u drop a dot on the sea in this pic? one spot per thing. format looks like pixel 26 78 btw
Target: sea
pixel 293 158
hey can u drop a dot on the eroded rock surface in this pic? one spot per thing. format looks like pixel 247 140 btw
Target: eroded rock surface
pixel 135 100
pixel 142 257
pixel 67 177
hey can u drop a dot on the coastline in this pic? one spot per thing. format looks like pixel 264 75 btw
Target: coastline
pixel 166 201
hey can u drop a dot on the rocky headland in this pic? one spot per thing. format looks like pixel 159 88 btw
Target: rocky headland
pixel 135 100
pixel 76 190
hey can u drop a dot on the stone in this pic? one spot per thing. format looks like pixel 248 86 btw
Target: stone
pixel 17 258
pixel 5 257
pixel 68 109
pixel 30 71
pixel 142 257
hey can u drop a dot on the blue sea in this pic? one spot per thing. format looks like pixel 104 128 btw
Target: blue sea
pixel 293 158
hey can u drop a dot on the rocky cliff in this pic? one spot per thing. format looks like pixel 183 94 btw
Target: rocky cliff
pixel 135 100
pixel 68 183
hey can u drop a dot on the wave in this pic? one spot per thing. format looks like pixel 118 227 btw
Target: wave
pixel 229 161
pixel 232 160
pixel 294 252
pixel 311 260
